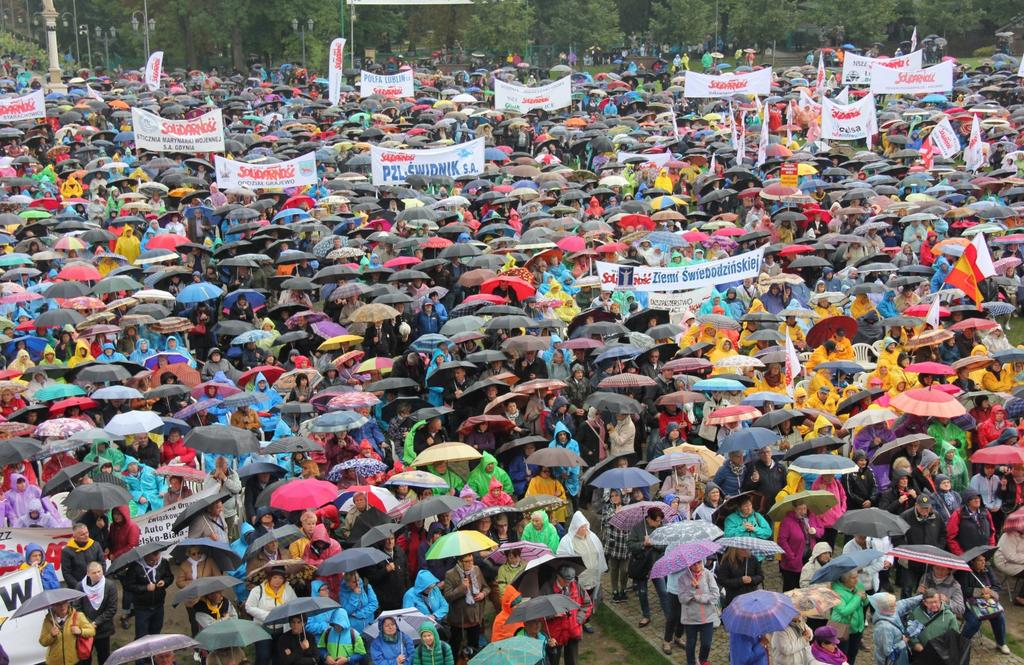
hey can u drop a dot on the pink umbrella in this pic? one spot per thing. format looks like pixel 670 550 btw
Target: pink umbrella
pixel 635 513
pixel 683 556
pixel 303 494
pixel 572 244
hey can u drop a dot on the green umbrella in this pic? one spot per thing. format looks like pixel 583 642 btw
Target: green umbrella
pixel 231 633
pixel 116 283
pixel 34 213
pixel 459 543
pixel 818 502
pixel 519 650
pixel 58 391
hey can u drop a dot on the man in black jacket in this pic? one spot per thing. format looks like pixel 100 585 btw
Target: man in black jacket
pixel 147 581
pixel 765 476
pixel 389 579
pixel 861 488
pixel 925 529
pixel 76 556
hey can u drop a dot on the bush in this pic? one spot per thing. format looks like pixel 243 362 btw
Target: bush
pixel 984 52
pixel 24 50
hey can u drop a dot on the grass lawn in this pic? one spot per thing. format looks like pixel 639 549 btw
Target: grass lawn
pixel 1016 332
pixel 614 642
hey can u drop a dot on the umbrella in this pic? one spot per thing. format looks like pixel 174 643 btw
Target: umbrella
pixel 1001 454
pixel 758 613
pixel 894 448
pixel 222 440
pixel 97 496
pixel 844 563
pixel 421 510
pixel 686 531
pixel 150 646
pixel 557 456
pixel 542 570
pixel 299 607
pixel 228 633
pixel 378 533
pixel 351 560
pixel 750 438
pixel 827 328
pixel 823 463
pixel 459 543
pixel 196 508
pixel 928 402
pixel 814 602
pixel 930 556
pixel 449 451
pixel 221 553
pixel 682 556
pixel 202 586
pixel 669 461
pixel 64 479
pixel 542 607
pixel 818 502
pixel 137 554
pixel 755 545
pixel 869 417
pixel 420 479
pixel 41 601
pixel 408 619
pixel 518 650
pixel 13 451
pixel 527 550
pixel 872 522
pixel 302 494
pixel 621 478
pixel 628 517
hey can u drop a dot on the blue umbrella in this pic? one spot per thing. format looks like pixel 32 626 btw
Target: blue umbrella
pixel 250 336
pixel 758 613
pixel 351 560
pixel 201 292
pixel 494 155
pixel 750 438
pixel 844 563
pixel 35 346
pixel 337 421
pixel 429 342
pixel 175 423
pixel 666 238
pixel 624 351
pixel 291 214
pixel 844 366
pixel 719 385
pixel 255 298
pixel 935 98
pixel 624 477
pixel 822 463
pixel 765 397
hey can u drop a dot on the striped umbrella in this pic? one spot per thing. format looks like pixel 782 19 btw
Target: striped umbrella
pixel 930 556
pixel 823 463
pixel 634 513
pixel 755 545
pixel 626 381
pixel 758 613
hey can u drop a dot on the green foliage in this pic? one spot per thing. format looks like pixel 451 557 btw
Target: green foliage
pixel 861 22
pixel 499 27
pixel 984 52
pixel 582 24
pixel 25 49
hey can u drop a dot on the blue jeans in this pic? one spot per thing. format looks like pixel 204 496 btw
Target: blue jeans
pixel 641 591
pixel 972 624
pixel 706 631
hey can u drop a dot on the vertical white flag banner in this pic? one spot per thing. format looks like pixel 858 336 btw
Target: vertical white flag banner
pixel 843 97
pixel 335 63
pixel 974 154
pixel 983 259
pixel 819 81
pixel 793 367
pixel 762 142
pixel 1020 70
pixel 154 69
pixel 913 40
pixel 92 93
pixel 944 139
pixel 932 318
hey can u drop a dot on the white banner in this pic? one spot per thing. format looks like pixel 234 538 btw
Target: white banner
pixel 753 83
pixel 678 304
pixel 885 81
pixel 523 99
pixel 204 133
pixel 808 102
pixel 847 122
pixel 154 68
pixel 945 139
pixel 26 107
pixel 857 68
pixel 392 166
pixel 20 637
pixel 335 64
pixel 617 277
pixel 395 85
pixel 293 173
pixel 1020 70
pixel 657 158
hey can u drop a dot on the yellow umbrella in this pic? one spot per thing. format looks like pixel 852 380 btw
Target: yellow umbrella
pixel 460 543
pixel 335 343
pixel 805 169
pixel 711 461
pixel 449 451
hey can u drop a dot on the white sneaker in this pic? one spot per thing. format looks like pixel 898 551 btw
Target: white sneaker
pixel 1004 649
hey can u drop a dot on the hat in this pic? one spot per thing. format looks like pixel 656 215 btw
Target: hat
pixel 859 455
pixel 213 351
pixel 969 494
pixel 927 458
pixel 882 602
pixel 826 634
pixel 924 501
pixel 671 427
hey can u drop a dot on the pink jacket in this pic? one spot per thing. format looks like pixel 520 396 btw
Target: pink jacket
pixel 791 540
pixel 835 487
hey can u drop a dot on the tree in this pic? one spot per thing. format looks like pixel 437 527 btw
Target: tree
pixel 682 21
pixel 582 24
pixel 861 23
pixel 499 27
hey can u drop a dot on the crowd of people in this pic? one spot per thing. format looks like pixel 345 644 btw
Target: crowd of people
pixel 412 425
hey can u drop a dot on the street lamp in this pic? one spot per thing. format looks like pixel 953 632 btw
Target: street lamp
pixel 106 36
pixel 301 28
pixel 148 25
pixel 84 30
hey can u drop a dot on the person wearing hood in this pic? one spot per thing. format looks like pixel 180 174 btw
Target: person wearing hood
pixel 104 451
pixel 568 476
pixel 83 354
pixel 110 355
pixel 124 533
pixel 358 599
pixel 889 645
pixel 821 554
pixel 142 352
pixel 729 478
pixel 36 556
pixel 580 541
pixel 269 401
pixel 431 650
pixel 991 429
pixel 392 646
pixel 128 245
pixel 713 498
pixel 501 629
pixel 541 531
pixel 341 643
pixel 217 363
pixel 100 607
pixel 320 548
pixel 485 471
pixel 426 596
pixel 16 504
pixel 145 487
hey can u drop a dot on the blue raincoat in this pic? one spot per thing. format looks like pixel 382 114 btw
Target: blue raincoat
pixel 269 399
pixel 142 352
pixel 361 606
pixel 569 476
pixel 432 602
pixel 146 484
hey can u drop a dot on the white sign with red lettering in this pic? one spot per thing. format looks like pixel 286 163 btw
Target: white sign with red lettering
pixel 857 68
pixel 293 173
pixel 394 85
pixel 335 64
pixel 204 133
pixel 885 81
pixel 523 99
pixel 699 86
pixel 847 122
pixel 26 107
pixel 392 166
pixel 945 139
pixel 154 70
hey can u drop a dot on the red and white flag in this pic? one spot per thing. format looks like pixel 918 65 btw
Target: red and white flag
pixel 928 154
pixel 793 368
pixel 983 258
pixel 154 69
pixel 819 82
pixel 974 154
pixel 335 64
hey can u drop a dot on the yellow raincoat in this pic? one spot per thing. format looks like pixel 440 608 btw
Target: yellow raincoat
pixel 128 245
pixel 77 359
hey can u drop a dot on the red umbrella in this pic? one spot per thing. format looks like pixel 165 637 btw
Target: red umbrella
pixel 494 423
pixel 928 403
pixel 1008 455
pixel 539 384
pixel 922 310
pixel 792 250
pixel 572 244
pixel 974 323
pixel 62 405
pixel 298 201
pixel 732 414
pixel 695 236
pixel 827 328
pixel 270 372
pixel 82 272
pixel 687 365
pixel 611 248
pixel 581 343
pixel 730 231
pixel 930 368
pixel 400 261
pixel 486 297
pixel 626 381
pixel 635 221
pixel 522 288
pixel 169 241
pixel 437 242
pixel 303 494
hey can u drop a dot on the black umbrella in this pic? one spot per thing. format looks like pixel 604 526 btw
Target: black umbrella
pixel 541 571
pixel 222 440
pixel 829 443
pixel 17 449
pixel 522 441
pixel 871 522
pixel 299 607
pixel 42 601
pixel 852 401
pixel 64 479
pixel 98 373
pixel 137 554
pixel 543 607
pixel 292 444
pixel 282 535
pixel 391 383
pixel 893 449
pixel 221 553
pixel 197 508
pixel 773 419
pixel 613 403
pixel 366 521
pixel 421 510
pixel 203 586
pixel 97 496
pixel 255 468
pixel 351 560
pixel 379 533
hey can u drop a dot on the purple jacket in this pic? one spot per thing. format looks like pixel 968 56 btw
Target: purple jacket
pixel 791 540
